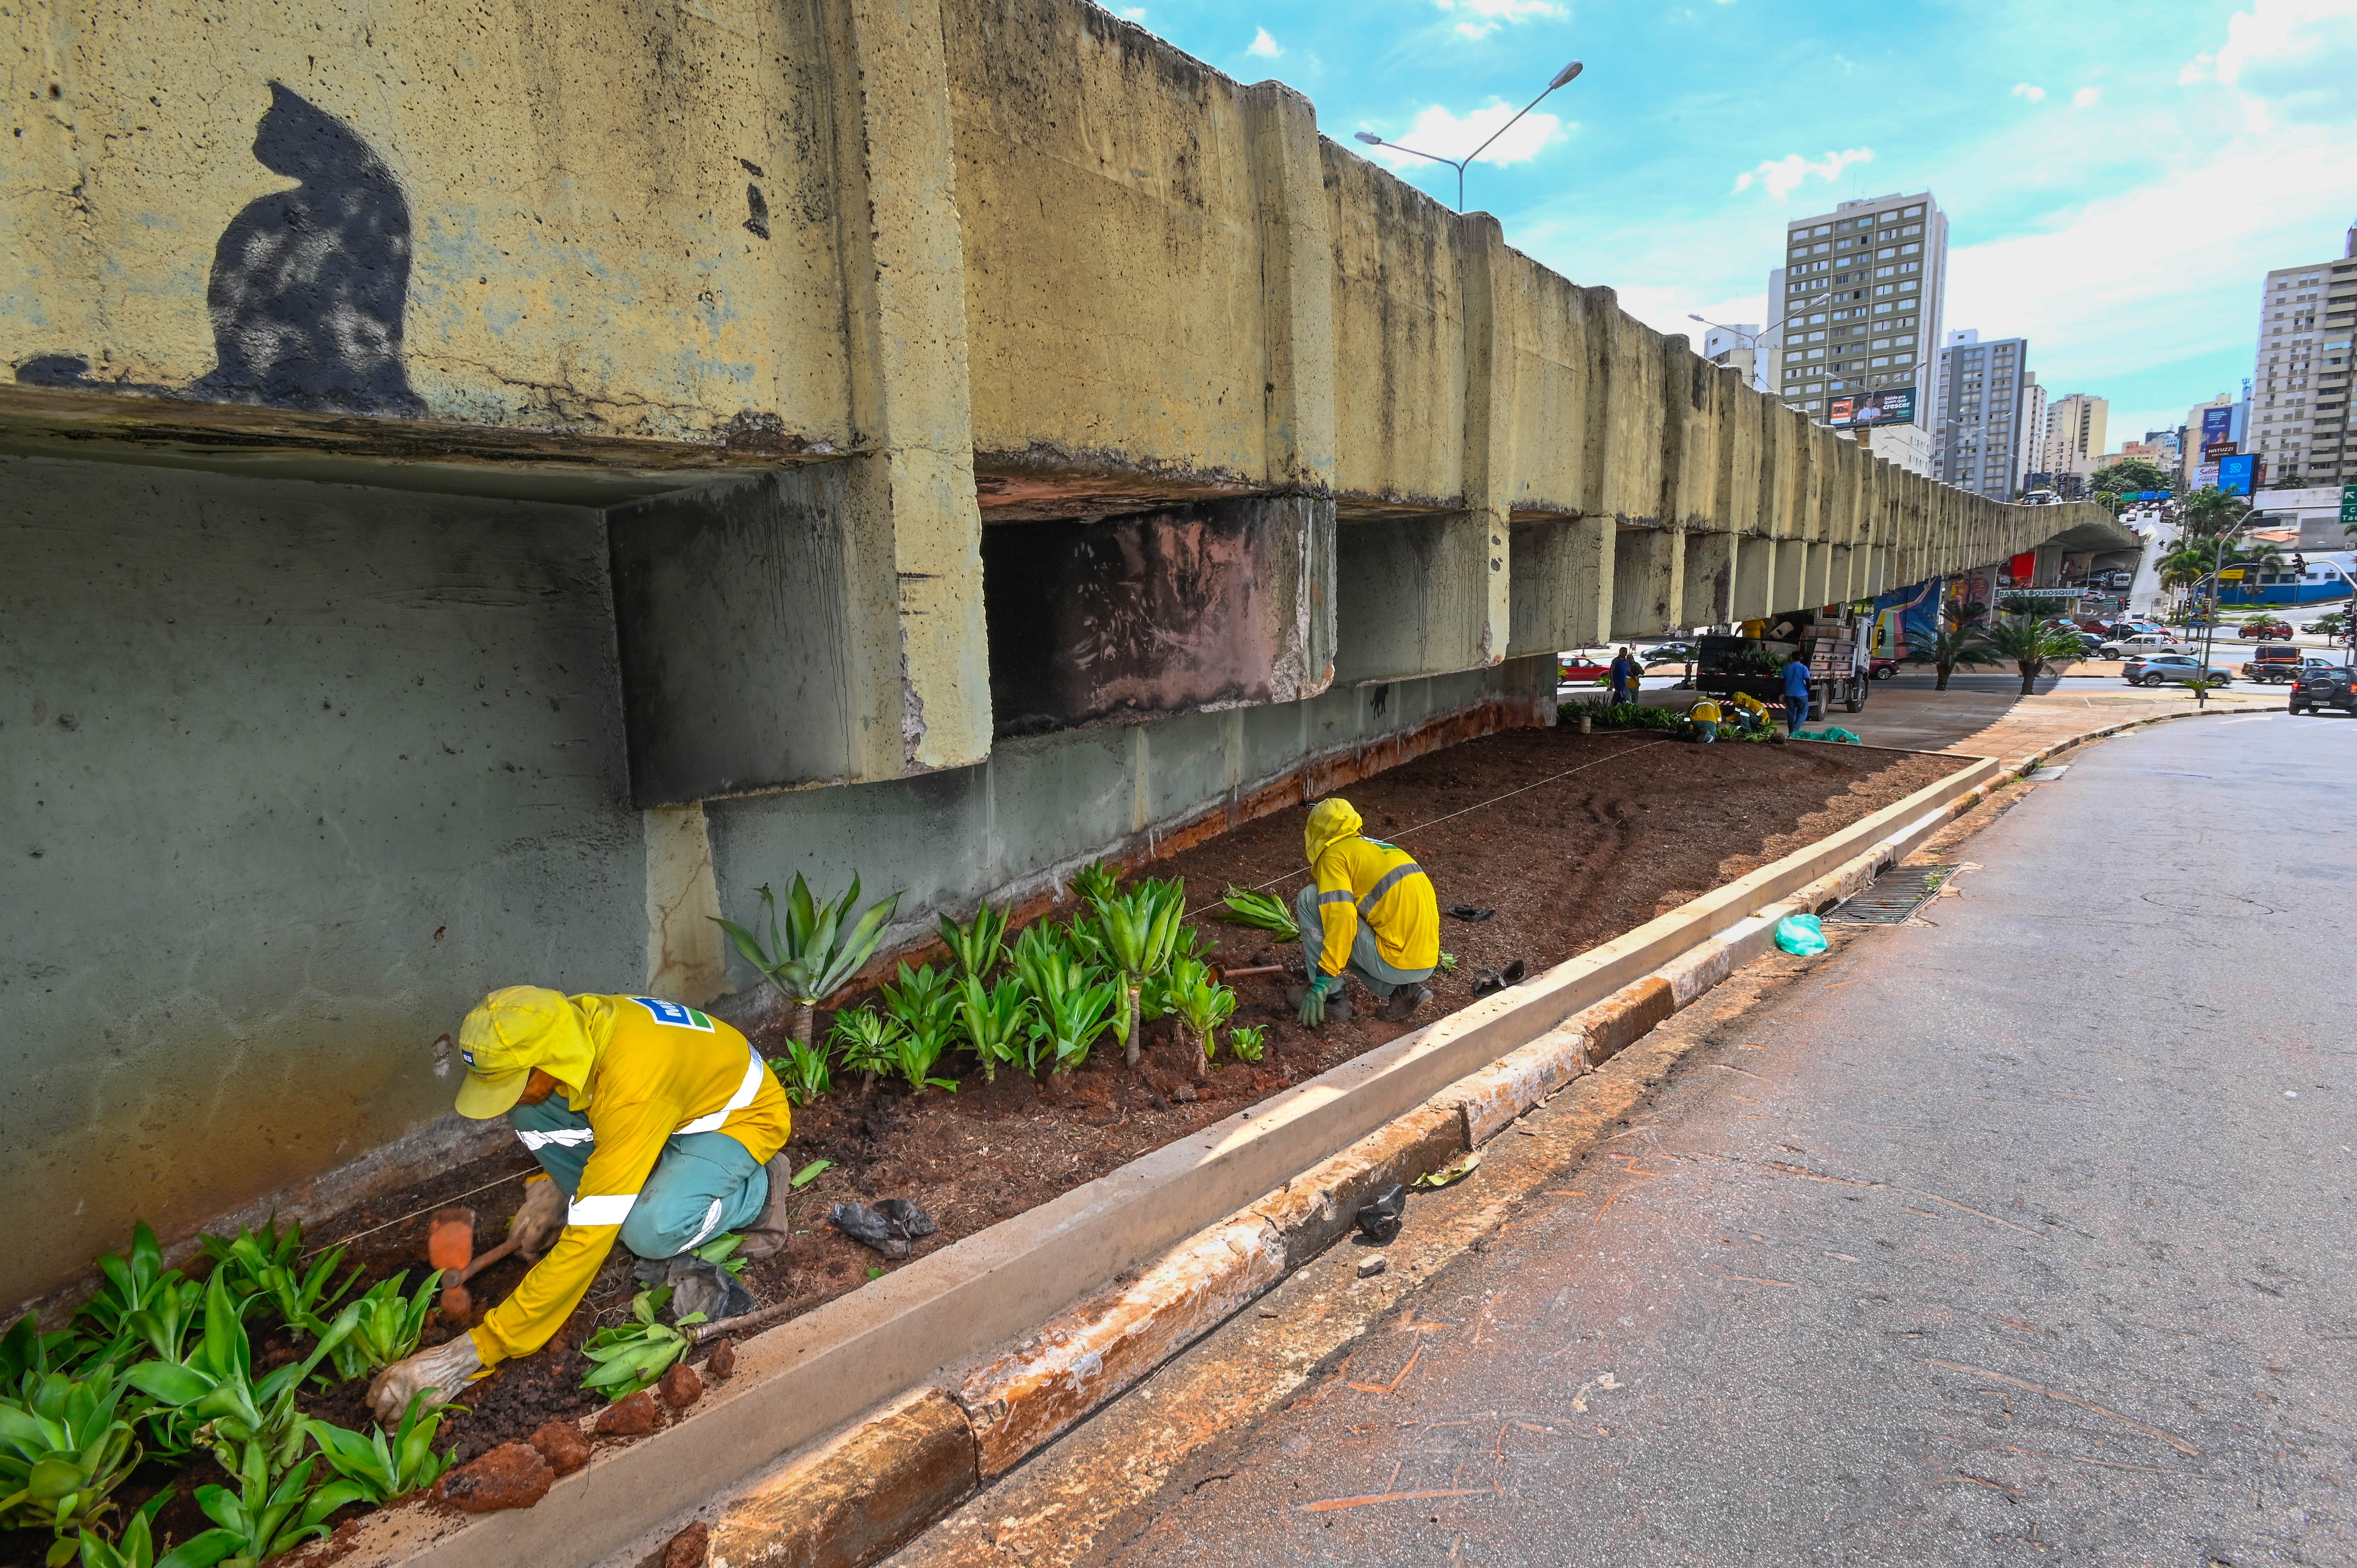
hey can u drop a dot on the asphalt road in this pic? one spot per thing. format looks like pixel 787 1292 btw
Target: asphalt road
pixel 2019 1236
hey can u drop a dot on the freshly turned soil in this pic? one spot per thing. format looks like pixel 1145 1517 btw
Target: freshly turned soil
pixel 1598 835
pixel 512 1475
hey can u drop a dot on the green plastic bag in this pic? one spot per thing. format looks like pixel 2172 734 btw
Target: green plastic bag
pixel 1830 733
pixel 1800 934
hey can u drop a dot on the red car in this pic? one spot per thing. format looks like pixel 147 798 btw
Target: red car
pixel 2272 631
pixel 1572 670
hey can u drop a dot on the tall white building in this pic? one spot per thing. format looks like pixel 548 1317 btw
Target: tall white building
pixel 1738 345
pixel 2033 429
pixel 1983 432
pixel 2076 427
pixel 2298 420
pixel 1858 301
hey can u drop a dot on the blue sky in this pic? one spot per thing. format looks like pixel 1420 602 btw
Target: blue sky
pixel 2119 176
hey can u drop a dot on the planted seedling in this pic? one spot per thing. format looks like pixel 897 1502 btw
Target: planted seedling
pixel 1202 1005
pixel 979 944
pixel 129 1281
pixel 995 1021
pixel 817 951
pixel 920 1046
pixel 1248 1043
pixel 1067 1021
pixel 632 1356
pixel 387 1327
pixel 213 1397
pixel 64 1447
pixel 804 1073
pixel 270 1513
pixel 266 1265
pixel 1261 912
pixel 1095 881
pixel 1139 928
pixel 135 1548
pixel 923 999
pixel 379 1470
pixel 862 1041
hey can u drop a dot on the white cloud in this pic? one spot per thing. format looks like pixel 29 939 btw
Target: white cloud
pixel 2086 97
pixel 1265 45
pixel 1484 18
pixel 1436 131
pixel 1135 13
pixel 2036 94
pixel 2292 61
pixel 1784 176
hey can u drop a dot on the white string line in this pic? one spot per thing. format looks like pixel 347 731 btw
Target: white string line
pixel 1435 822
pixel 442 1203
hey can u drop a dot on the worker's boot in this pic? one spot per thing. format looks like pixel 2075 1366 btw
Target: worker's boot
pixel 1401 1005
pixel 767 1234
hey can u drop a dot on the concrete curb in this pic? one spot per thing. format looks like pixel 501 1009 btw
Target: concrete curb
pixel 1287 1176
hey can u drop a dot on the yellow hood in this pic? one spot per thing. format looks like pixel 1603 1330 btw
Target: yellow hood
pixel 1331 822
pixel 519 1027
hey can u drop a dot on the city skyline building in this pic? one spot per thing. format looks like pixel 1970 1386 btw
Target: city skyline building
pixel 2299 419
pixel 1737 345
pixel 1982 432
pixel 1857 299
pixel 2033 430
pixel 2076 427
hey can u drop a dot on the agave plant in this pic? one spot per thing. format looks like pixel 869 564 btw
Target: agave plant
pixel 862 1041
pixel 818 949
pixel 136 1547
pixel 129 1282
pixel 1202 1005
pixel 1095 880
pixel 387 1327
pixel 1139 928
pixel 213 1395
pixel 380 1471
pixel 1260 911
pixel 1248 1043
pixel 1072 1005
pixel 271 1512
pixel 803 1072
pixel 26 1352
pixel 64 1447
pixel 632 1356
pixel 995 1020
pixel 977 945
pixel 266 1265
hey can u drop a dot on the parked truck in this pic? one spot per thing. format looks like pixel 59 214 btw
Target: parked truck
pixel 1726 665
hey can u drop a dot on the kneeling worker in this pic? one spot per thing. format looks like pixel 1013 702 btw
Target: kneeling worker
pixel 1705 718
pixel 1369 910
pixel 1747 714
pixel 652 1123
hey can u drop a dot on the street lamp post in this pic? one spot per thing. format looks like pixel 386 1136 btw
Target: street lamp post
pixel 1561 78
pixel 2210 621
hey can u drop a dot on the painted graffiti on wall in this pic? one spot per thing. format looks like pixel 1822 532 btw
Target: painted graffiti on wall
pixel 308 285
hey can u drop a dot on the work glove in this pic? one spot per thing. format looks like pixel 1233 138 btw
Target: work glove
pixel 445 1369
pixel 538 1219
pixel 1313 1001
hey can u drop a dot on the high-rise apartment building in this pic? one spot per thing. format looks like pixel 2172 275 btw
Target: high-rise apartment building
pixel 2075 432
pixel 2299 422
pixel 1983 428
pixel 2033 429
pixel 1858 301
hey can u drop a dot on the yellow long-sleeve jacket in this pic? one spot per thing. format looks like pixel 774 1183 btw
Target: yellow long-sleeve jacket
pixel 1363 879
pixel 656 1070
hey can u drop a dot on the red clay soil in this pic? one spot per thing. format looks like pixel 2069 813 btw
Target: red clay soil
pixel 1597 834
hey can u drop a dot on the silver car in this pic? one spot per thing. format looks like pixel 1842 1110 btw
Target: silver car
pixel 2173 670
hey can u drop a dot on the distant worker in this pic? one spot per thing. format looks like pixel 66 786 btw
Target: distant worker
pixel 1705 717
pixel 1369 910
pixel 1626 674
pixel 1796 693
pixel 653 1124
pixel 1747 714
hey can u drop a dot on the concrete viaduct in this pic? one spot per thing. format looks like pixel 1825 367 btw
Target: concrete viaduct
pixel 486 488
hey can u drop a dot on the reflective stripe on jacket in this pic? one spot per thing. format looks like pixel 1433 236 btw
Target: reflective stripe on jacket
pixel 1363 879
pixel 667 1071
pixel 1745 703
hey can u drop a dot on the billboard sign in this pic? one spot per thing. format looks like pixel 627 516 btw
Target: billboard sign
pixel 2238 476
pixel 2205 477
pixel 1893 405
pixel 2217 433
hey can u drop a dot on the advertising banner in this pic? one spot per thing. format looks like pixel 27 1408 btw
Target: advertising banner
pixel 1892 406
pixel 2217 433
pixel 2238 476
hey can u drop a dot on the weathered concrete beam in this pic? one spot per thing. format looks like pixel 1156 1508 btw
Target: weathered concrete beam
pixel 1562 570
pixel 1648 581
pixel 1412 597
pixel 1709 580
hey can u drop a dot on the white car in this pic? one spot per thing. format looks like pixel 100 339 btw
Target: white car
pixel 2145 643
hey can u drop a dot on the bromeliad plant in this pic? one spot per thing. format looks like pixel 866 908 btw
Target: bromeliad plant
pixel 818 949
pixel 862 1041
pixel 632 1356
pixel 995 1020
pixel 136 1547
pixel 803 1072
pixel 380 1471
pixel 1262 912
pixel 387 1327
pixel 1072 1003
pixel 269 1511
pixel 130 1282
pixel 1202 1005
pixel 266 1265
pixel 212 1396
pixel 979 944
pixel 925 1004
pixel 1139 929
pixel 64 1447
pixel 1248 1043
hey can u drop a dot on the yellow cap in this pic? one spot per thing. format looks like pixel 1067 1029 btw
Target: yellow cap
pixel 508 1034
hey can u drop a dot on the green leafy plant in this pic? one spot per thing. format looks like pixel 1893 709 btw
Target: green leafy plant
pixel 271 1512
pixel 64 1447
pixel 993 1020
pixel 817 951
pixel 136 1547
pixel 1095 881
pixel 213 1397
pixel 2032 645
pixel 977 945
pixel 129 1282
pixel 266 1265
pixel 1260 910
pixel 631 1356
pixel 1139 928
pixel 1202 1005
pixel 1627 716
pixel 804 1073
pixel 862 1041
pixel 383 1470
pixel 1448 964
pixel 924 1002
pixel 387 1327
pixel 1247 1043
pixel 1956 644
pixel 1076 1005
pixel 26 1351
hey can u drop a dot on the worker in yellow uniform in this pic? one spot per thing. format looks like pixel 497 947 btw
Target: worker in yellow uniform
pixel 653 1123
pixel 1369 910
pixel 1747 714
pixel 1705 717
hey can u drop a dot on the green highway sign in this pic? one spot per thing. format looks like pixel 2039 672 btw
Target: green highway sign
pixel 2349 503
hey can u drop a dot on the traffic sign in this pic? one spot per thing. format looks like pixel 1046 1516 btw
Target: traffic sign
pixel 2230 574
pixel 2349 503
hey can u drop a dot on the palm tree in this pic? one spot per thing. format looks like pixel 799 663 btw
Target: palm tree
pixel 1957 643
pixel 2206 514
pixel 2032 645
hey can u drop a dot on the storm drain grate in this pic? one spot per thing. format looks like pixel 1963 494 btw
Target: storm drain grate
pixel 1893 897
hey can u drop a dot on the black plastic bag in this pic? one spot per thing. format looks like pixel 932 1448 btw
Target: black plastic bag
pixel 1467 913
pixel 1380 1220
pixel 1486 981
pixel 889 1227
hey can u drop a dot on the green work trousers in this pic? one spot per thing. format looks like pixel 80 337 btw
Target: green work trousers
pixel 1366 954
pixel 703 1183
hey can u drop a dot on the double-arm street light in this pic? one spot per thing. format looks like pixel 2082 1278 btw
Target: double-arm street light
pixel 1561 77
